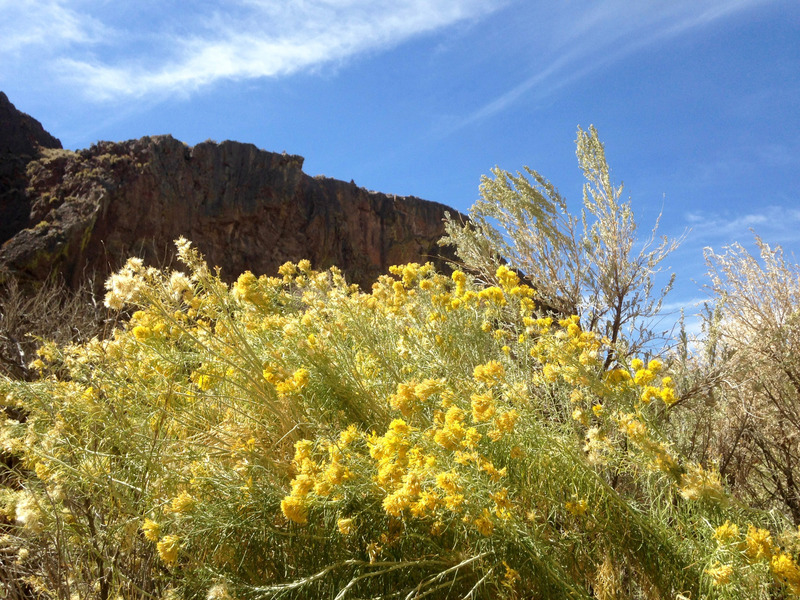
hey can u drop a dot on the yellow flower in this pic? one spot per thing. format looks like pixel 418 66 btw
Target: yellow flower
pixel 151 530
pixel 427 388
pixel 183 503
pixel 484 523
pixel 699 483
pixel 493 295
pixel 302 451
pixel 577 507
pixel 42 470
pixel 300 378
pixel 168 549
pixel 287 269
pixel 632 427
pixel 471 438
pixel 668 396
pixel 246 288
pixel 550 372
pixel 373 551
pixel 203 382
pixel 493 472
pixel 437 528
pixel 450 436
pixel 395 503
pixel 726 532
pixel 346 526
pixel 483 407
pixel 649 393
pixel 404 399
pixel 758 543
pixel 141 333
pixel 785 570
pixel 643 376
pixel 348 436
pixel 399 427
pixel 449 481
pixel 302 484
pixel 615 376
pixel 511 576
pixel 491 373
pixel 507 278
pixel 720 574
pixel 426 503
pixel 503 423
pixel 294 508
pixel 335 474
pixel 580 416
pixel 502 502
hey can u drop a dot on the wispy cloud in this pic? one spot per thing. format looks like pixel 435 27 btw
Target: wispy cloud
pixel 578 38
pixel 47 25
pixel 777 224
pixel 181 47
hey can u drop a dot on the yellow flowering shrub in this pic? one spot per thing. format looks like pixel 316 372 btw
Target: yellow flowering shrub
pixel 294 436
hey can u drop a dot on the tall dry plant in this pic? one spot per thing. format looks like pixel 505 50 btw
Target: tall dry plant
pixel 592 266
pixel 49 310
pixel 756 341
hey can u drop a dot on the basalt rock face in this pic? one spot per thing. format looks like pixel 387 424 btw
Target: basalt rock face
pixel 243 208
pixel 21 139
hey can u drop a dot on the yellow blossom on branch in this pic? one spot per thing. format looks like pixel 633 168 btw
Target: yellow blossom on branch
pixel 168 548
pixel 720 574
pixel 151 530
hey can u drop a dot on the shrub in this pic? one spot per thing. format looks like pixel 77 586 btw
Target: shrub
pixel 590 266
pixel 293 437
pixel 756 336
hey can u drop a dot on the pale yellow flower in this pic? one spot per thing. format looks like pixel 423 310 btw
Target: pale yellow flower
pixel 346 526
pixel 720 574
pixel 168 549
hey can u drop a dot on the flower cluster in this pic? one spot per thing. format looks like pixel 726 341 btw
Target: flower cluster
pixel 757 546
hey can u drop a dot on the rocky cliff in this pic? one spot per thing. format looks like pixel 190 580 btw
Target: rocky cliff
pixel 21 137
pixel 244 208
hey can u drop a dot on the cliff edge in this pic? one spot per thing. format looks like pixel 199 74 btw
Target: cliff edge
pixel 84 213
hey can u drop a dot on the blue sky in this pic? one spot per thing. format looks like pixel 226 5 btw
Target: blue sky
pixel 697 101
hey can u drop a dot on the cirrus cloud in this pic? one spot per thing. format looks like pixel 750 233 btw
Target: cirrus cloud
pixel 114 52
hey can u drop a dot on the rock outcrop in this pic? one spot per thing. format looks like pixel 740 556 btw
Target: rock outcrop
pixel 244 208
pixel 21 139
